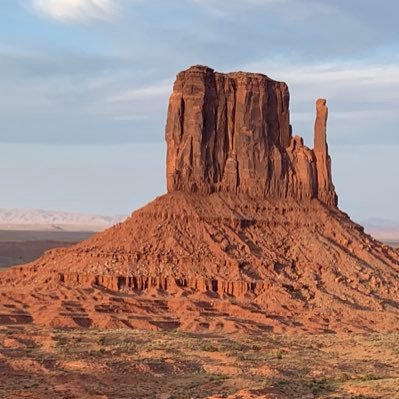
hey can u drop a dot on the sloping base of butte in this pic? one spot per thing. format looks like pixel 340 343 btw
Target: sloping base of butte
pixel 248 238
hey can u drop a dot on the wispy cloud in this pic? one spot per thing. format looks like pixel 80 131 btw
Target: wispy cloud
pixel 292 9
pixel 77 10
pixel 220 3
pixel 129 118
pixel 358 84
pixel 219 9
pixel 160 90
pixel 330 72
pixel 227 5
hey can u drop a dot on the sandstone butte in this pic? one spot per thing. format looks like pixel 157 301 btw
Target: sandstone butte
pixel 248 238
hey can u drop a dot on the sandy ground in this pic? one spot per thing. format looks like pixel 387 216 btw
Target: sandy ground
pixel 48 363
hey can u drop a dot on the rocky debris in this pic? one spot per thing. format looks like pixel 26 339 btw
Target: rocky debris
pixel 232 133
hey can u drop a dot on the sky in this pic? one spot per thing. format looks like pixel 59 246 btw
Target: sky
pixel 84 86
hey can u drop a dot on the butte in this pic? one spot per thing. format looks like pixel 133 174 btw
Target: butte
pixel 249 236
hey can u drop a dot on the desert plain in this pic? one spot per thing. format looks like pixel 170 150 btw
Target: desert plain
pixel 23 246
pixel 128 363
pixel 133 363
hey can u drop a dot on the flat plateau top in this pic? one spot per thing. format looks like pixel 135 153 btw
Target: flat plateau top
pixel 202 69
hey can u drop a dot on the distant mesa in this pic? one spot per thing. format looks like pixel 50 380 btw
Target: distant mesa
pixel 249 236
pixel 38 219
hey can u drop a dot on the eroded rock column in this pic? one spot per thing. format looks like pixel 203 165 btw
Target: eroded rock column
pixel 232 133
pixel 325 187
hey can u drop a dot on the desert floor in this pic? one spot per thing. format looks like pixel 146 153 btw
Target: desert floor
pixel 51 363
pixel 19 247
pixel 392 243
pixel 47 363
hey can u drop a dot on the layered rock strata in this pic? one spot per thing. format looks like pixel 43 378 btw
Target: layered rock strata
pixel 232 133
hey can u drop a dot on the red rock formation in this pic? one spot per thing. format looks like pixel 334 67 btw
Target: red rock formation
pixel 325 187
pixel 236 243
pixel 231 133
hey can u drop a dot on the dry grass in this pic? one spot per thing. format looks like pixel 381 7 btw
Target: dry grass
pixel 44 363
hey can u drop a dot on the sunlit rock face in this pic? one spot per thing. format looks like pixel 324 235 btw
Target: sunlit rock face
pixel 232 133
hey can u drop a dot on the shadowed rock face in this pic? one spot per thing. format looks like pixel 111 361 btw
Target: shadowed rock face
pixel 231 133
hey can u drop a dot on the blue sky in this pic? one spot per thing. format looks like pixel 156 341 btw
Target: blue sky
pixel 84 88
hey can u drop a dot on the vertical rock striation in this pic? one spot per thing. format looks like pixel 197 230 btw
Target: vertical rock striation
pixel 231 133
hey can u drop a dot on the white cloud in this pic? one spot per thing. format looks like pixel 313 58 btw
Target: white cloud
pixel 160 90
pixel 360 83
pixel 249 2
pixel 222 8
pixel 329 73
pixel 77 10
pixel 128 118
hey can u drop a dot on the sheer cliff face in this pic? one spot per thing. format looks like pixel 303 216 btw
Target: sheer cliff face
pixel 231 133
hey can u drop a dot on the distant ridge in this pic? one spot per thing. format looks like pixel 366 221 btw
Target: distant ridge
pixel 39 219
pixel 382 229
